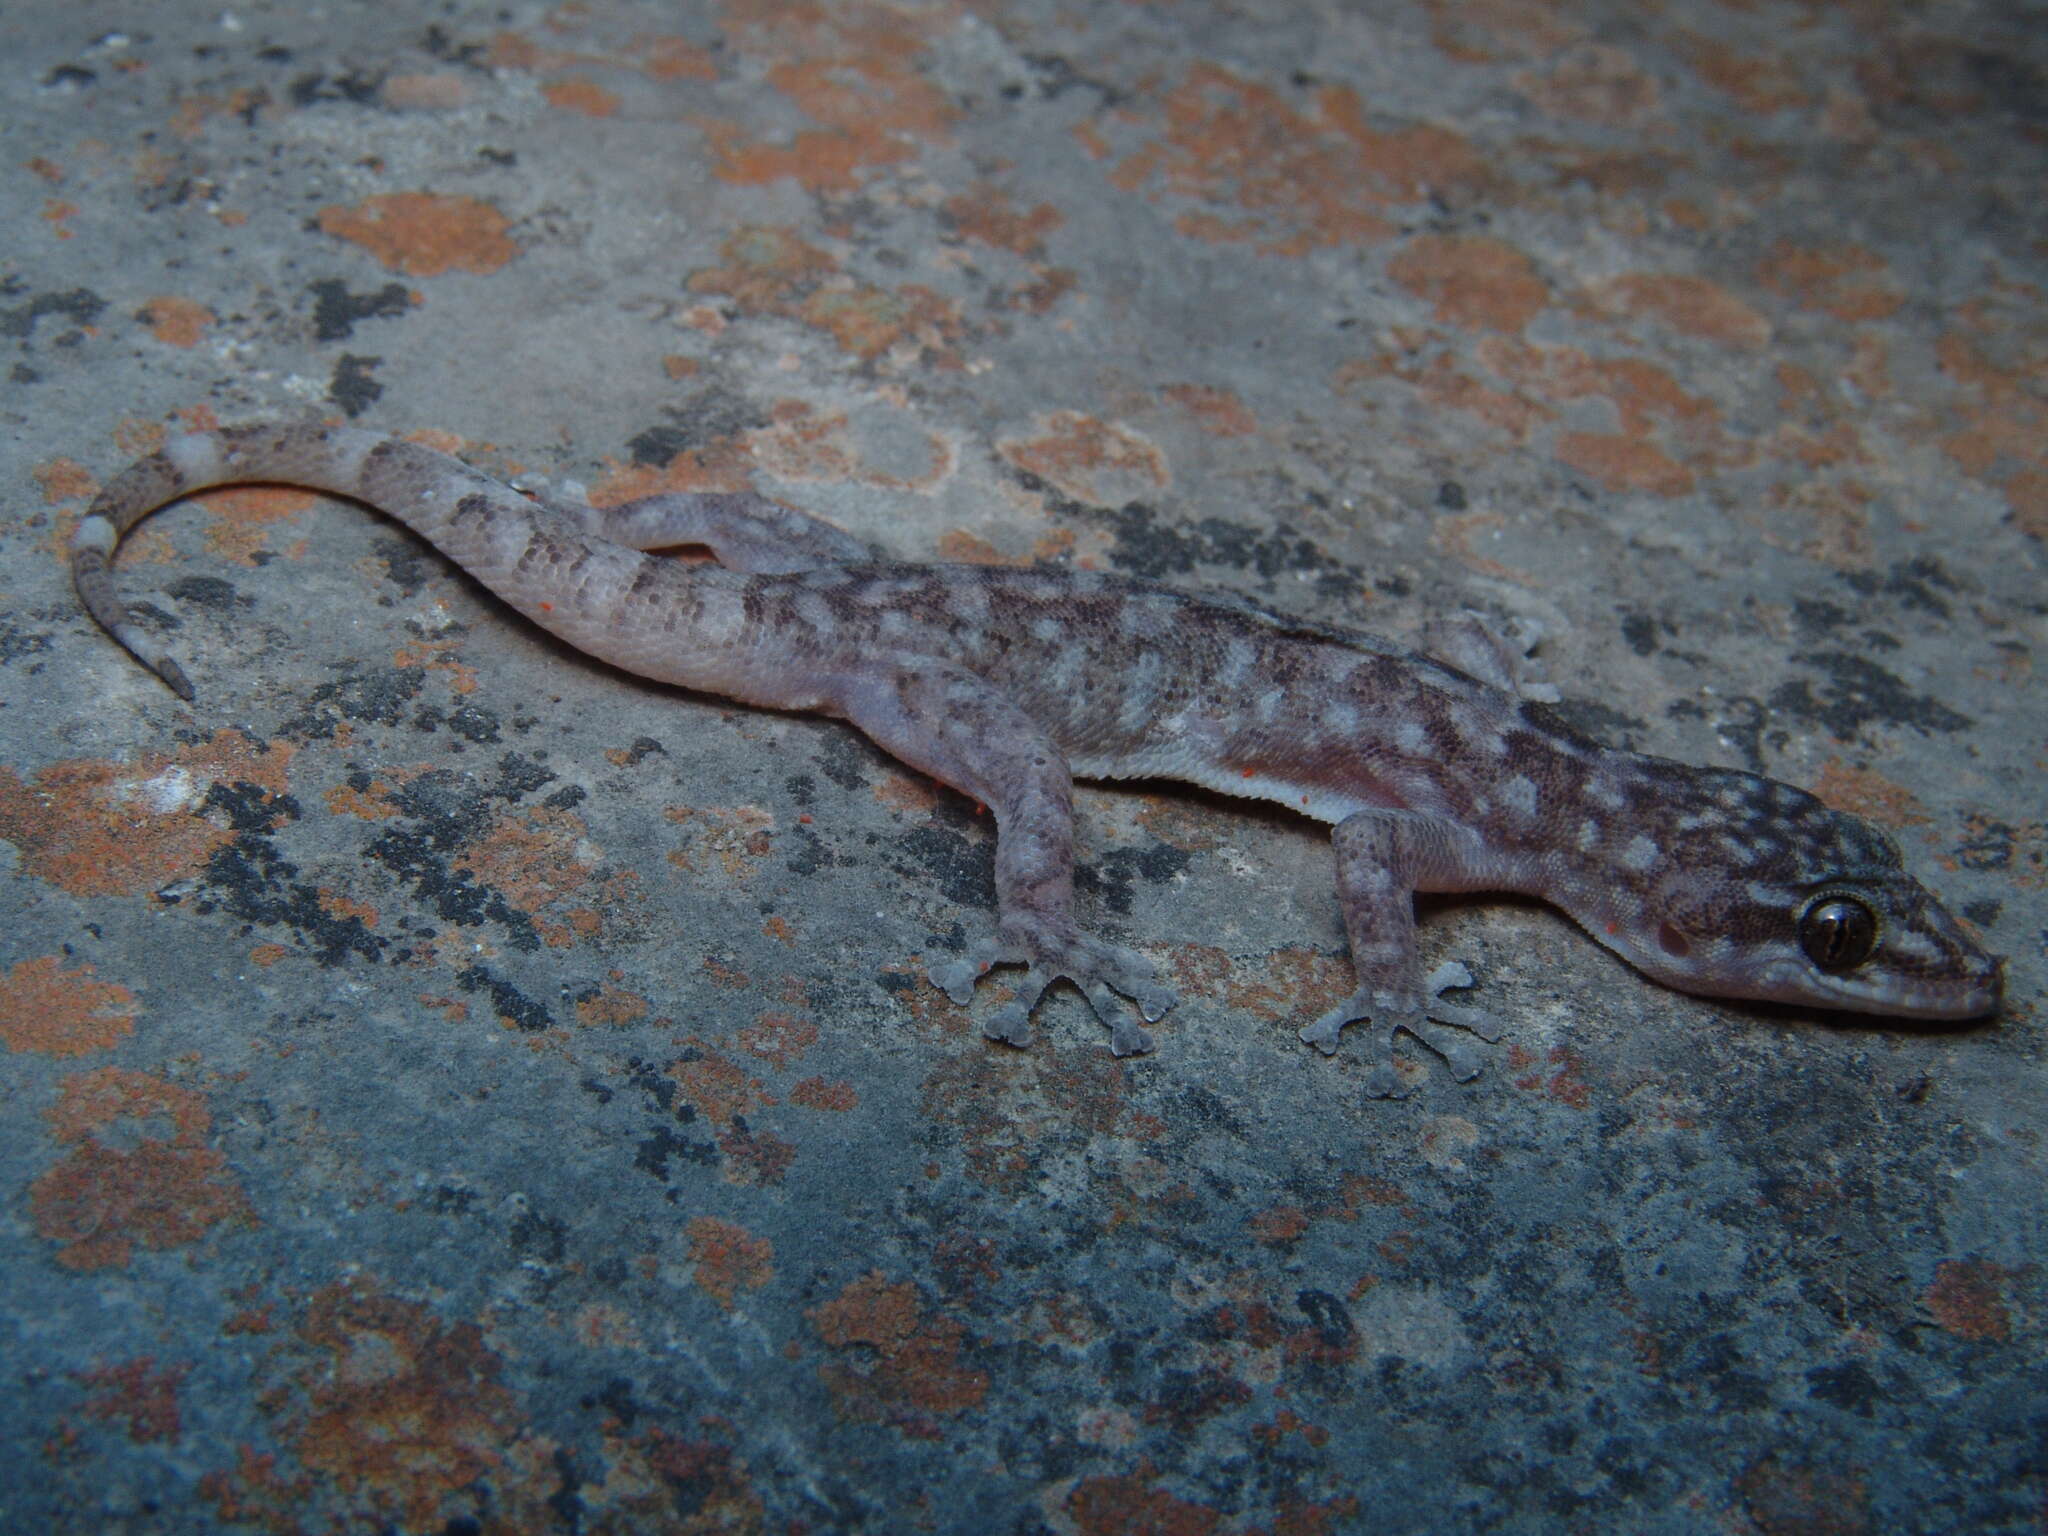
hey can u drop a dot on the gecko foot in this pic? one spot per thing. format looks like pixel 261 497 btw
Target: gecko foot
pixel 1388 1015
pixel 1101 971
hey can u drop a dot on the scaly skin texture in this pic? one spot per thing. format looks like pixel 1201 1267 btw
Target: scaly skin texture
pixel 1008 684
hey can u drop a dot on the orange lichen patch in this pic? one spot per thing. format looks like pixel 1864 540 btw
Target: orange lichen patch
pixel 406 1412
pixel 1278 1225
pixel 1828 521
pixel 721 1089
pixel 1594 83
pixel 424 92
pixel 729 1259
pixel 159 1191
pixel 62 1013
pixel 1758 83
pixel 773 272
pixel 2005 439
pixel 737 837
pixel 1692 306
pixel 240 517
pixel 536 857
pixel 1084 458
pixel 985 213
pixel 373 802
pixel 137 1391
pixel 1472 280
pixel 176 322
pixel 1623 463
pixel 1647 403
pixel 1293 986
pixel 781 1038
pixel 1301 181
pixel 855 70
pixel 1869 793
pixel 97 828
pixel 1219 412
pixel 424 234
pixel 1845 281
pixel 1109 1506
pixel 612 1006
pixel 835 1095
pixel 907 1371
pixel 600 1326
pixel 190 116
pixel 804 443
pixel 64 480
pixel 1564 1084
pixel 1487 31
pixel 437 656
pixel 584 96
pixel 1004 1106
pixel 754 1157
pixel 1968 1300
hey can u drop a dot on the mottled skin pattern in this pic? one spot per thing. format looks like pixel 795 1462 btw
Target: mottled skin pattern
pixel 1008 684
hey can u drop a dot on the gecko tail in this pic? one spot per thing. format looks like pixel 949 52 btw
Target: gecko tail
pixel 92 545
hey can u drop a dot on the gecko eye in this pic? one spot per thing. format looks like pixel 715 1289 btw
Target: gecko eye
pixel 1838 933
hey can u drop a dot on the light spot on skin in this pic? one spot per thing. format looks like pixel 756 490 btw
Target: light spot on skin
pixel 1411 738
pixel 1589 835
pixel 1342 719
pixel 1518 793
pixel 1641 854
pixel 817 613
pixel 1048 631
pixel 1238 657
pixel 1141 692
pixel 195 456
pixel 1605 795
pixel 1266 708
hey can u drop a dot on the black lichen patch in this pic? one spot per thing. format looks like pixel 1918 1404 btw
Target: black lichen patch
pixel 1108 881
pixel 1146 546
pixel 445 815
pixel 512 1005
pixel 16 642
pixel 963 867
pixel 708 418
pixel 373 698
pixel 251 879
pixel 81 306
pixel 1858 692
pixel 336 310
pixel 351 385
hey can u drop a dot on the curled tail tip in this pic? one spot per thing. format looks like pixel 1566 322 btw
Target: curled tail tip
pixel 174 676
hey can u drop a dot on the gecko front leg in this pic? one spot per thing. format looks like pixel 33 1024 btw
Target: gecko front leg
pixel 966 733
pixel 1383 859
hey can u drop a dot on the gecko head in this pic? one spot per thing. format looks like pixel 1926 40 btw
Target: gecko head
pixel 1763 892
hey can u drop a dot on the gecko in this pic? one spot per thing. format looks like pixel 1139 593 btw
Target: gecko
pixel 1007 684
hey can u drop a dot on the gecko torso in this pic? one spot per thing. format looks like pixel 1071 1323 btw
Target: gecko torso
pixel 1007 684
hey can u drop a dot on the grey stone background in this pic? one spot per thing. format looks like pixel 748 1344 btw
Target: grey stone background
pixel 453 1087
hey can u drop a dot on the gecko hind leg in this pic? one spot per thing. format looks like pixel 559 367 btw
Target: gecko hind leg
pixel 966 732
pixel 743 530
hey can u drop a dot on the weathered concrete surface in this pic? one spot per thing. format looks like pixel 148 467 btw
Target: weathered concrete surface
pixel 452 1087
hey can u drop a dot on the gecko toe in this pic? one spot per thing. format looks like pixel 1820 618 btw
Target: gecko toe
pixel 1127 1039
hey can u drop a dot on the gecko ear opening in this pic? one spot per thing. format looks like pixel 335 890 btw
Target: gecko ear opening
pixel 1672 940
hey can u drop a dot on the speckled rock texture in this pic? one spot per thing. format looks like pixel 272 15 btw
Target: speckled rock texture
pixel 452 1087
